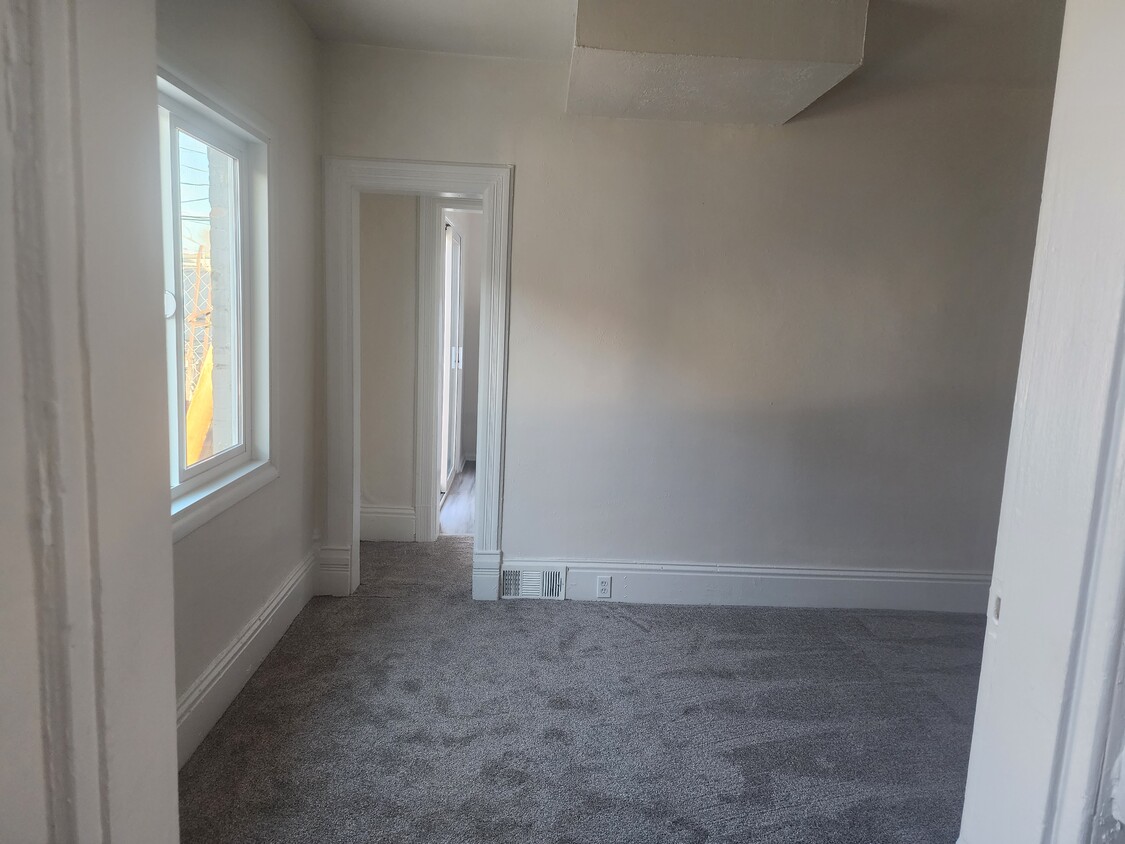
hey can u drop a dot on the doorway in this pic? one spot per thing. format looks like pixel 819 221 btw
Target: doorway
pixel 462 232
pixel 437 187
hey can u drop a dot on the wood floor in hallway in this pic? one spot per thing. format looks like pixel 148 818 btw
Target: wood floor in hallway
pixel 458 514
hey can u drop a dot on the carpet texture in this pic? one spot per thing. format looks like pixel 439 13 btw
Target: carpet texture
pixel 409 713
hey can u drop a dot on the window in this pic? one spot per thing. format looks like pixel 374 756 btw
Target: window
pixel 213 185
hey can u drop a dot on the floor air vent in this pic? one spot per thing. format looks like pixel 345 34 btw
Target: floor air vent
pixel 510 581
pixel 524 583
pixel 552 584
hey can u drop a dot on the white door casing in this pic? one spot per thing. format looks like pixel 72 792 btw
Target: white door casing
pixel 438 185
pixel 452 318
pixel 1054 632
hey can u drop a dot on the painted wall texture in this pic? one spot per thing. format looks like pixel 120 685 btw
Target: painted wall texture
pixel 227 569
pixel 388 340
pixel 792 346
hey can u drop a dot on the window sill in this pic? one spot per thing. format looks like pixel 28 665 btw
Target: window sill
pixel 196 508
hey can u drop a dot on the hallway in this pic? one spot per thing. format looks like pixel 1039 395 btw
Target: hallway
pixel 407 712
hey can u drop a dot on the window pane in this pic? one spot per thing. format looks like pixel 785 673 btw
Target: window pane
pixel 209 247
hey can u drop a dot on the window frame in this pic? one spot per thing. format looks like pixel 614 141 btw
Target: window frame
pixel 184 477
pixel 215 483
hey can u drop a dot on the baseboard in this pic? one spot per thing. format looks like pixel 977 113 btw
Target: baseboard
pixel 201 706
pixel 386 524
pixel 746 585
pixel 486 575
pixel 334 572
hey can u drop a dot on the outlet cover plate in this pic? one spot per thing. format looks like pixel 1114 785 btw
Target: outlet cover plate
pixel 605 586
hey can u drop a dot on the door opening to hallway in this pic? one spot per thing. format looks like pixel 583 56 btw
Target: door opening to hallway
pixel 421 265
pixel 460 331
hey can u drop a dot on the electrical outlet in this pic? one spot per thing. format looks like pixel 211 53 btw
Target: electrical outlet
pixel 604 586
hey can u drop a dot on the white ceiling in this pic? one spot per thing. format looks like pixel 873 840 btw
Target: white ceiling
pixel 533 29
pixel 996 41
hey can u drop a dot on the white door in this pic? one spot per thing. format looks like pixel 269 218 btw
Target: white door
pixel 452 330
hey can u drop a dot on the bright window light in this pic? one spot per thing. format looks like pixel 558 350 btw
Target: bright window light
pixel 208 245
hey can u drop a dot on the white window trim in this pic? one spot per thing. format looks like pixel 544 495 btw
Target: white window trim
pixel 207 129
pixel 203 495
pixel 199 506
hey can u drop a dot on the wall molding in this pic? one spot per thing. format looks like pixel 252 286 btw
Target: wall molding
pixel 386 524
pixel 334 570
pixel 194 509
pixel 206 699
pixel 435 183
pixel 780 586
pixel 486 575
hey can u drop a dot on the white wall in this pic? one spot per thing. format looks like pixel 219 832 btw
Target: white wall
pixel 388 343
pixel 259 59
pixel 793 346
pixel 471 226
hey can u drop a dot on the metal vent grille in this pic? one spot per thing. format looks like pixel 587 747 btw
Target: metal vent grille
pixel 552 584
pixel 510 583
pixel 532 583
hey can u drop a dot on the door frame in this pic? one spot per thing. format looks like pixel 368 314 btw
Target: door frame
pixel 435 184
pixel 1044 736
pixel 450 416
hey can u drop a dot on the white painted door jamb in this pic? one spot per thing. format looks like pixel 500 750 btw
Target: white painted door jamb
pixel 1044 742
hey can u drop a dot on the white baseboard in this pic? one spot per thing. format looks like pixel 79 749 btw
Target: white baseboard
pixel 386 524
pixel 200 707
pixel 486 575
pixel 745 585
pixel 334 572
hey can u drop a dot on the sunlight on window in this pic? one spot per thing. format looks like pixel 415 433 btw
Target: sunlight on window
pixel 208 206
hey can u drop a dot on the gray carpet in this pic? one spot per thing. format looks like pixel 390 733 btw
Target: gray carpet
pixel 409 713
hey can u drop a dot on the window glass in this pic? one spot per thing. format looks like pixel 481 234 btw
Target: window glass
pixel 208 229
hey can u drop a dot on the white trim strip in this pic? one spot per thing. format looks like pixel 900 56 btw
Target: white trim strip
pixel 334 571
pixel 751 585
pixel 386 524
pixel 196 508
